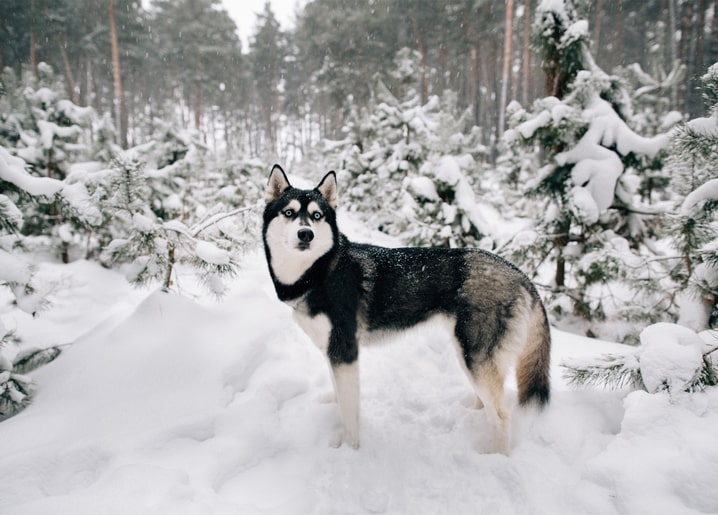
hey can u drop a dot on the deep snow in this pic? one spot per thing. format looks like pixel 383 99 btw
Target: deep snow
pixel 170 403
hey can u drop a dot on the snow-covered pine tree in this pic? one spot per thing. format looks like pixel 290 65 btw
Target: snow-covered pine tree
pixel 593 229
pixel 16 276
pixel 49 133
pixel 694 230
pixel 409 168
pixel 146 245
pixel 671 358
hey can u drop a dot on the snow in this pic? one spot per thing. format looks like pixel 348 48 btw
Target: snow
pixel 694 201
pixel 176 404
pixel 77 196
pixel 596 167
pixel 210 253
pixel 12 170
pixel 583 205
pixel 13 270
pixel 671 356
pixel 707 127
pixel 423 187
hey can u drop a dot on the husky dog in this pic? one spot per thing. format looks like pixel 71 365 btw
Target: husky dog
pixel 345 293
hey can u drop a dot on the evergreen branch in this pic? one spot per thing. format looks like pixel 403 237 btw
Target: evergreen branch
pixel 613 371
pixel 220 216
pixel 31 359
pixel 647 212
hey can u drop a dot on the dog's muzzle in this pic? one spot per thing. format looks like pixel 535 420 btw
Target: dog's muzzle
pixel 305 237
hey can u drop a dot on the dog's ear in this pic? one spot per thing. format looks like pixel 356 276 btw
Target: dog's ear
pixel 277 183
pixel 328 188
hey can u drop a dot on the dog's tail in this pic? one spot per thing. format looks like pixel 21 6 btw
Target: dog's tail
pixel 533 373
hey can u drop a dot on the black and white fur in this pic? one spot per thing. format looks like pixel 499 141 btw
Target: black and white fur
pixel 345 293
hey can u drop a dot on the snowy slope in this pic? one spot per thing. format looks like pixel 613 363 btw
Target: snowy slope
pixel 173 404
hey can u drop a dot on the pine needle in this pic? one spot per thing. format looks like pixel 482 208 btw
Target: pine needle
pixel 612 371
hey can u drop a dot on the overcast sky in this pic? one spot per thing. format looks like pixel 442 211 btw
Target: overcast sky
pixel 244 13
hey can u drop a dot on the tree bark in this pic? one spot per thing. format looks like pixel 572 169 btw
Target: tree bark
pixel 526 55
pixel 506 69
pixel 672 46
pixel 197 105
pixel 71 84
pixel 33 40
pixel 120 108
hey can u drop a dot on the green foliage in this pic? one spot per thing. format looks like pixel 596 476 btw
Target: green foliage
pixel 693 229
pixel 613 371
pixel 618 371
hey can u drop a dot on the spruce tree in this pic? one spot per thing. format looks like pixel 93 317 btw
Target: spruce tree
pixel 409 168
pixel 594 229
pixel 16 276
pixel 695 236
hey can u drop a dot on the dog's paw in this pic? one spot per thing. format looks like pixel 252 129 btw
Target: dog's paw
pixel 352 440
pixel 335 441
pixel 338 439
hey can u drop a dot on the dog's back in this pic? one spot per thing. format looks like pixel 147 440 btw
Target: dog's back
pixel 495 310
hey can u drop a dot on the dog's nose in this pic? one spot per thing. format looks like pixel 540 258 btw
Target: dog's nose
pixel 305 235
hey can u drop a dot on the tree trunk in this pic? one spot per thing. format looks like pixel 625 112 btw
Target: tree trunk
pixel 33 40
pixel 69 77
pixel 197 105
pixel 506 69
pixel 673 46
pixel 120 108
pixel 618 52
pixel 597 28
pixel 526 55
pixel 422 51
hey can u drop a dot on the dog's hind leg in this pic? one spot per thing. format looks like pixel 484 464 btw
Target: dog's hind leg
pixel 488 382
pixel 346 385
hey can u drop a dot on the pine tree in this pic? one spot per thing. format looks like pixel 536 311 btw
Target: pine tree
pixel 695 236
pixel 408 168
pixel 50 133
pixel 594 229
pixel 671 358
pixel 16 276
pixel 150 238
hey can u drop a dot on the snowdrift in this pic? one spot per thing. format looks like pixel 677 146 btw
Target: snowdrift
pixel 173 404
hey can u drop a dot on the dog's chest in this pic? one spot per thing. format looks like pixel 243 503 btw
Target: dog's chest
pixel 318 327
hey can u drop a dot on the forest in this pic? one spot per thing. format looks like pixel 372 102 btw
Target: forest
pixel 146 365
pixel 578 139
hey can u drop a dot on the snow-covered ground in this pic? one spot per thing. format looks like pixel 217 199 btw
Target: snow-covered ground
pixel 178 404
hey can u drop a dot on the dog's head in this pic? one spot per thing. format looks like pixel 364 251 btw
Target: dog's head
pixel 299 225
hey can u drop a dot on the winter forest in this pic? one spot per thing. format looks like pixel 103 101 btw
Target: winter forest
pixel 578 139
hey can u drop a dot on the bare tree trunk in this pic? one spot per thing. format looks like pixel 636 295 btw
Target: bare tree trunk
pixel 506 69
pixel 526 55
pixel 197 105
pixel 120 108
pixel 597 28
pixel 700 30
pixel 71 84
pixel 33 40
pixel 673 46
pixel 422 50
pixel 618 52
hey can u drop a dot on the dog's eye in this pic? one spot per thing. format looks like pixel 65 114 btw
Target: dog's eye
pixel 317 215
pixel 288 213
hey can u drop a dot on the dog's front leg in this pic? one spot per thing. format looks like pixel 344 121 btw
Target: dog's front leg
pixel 346 385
